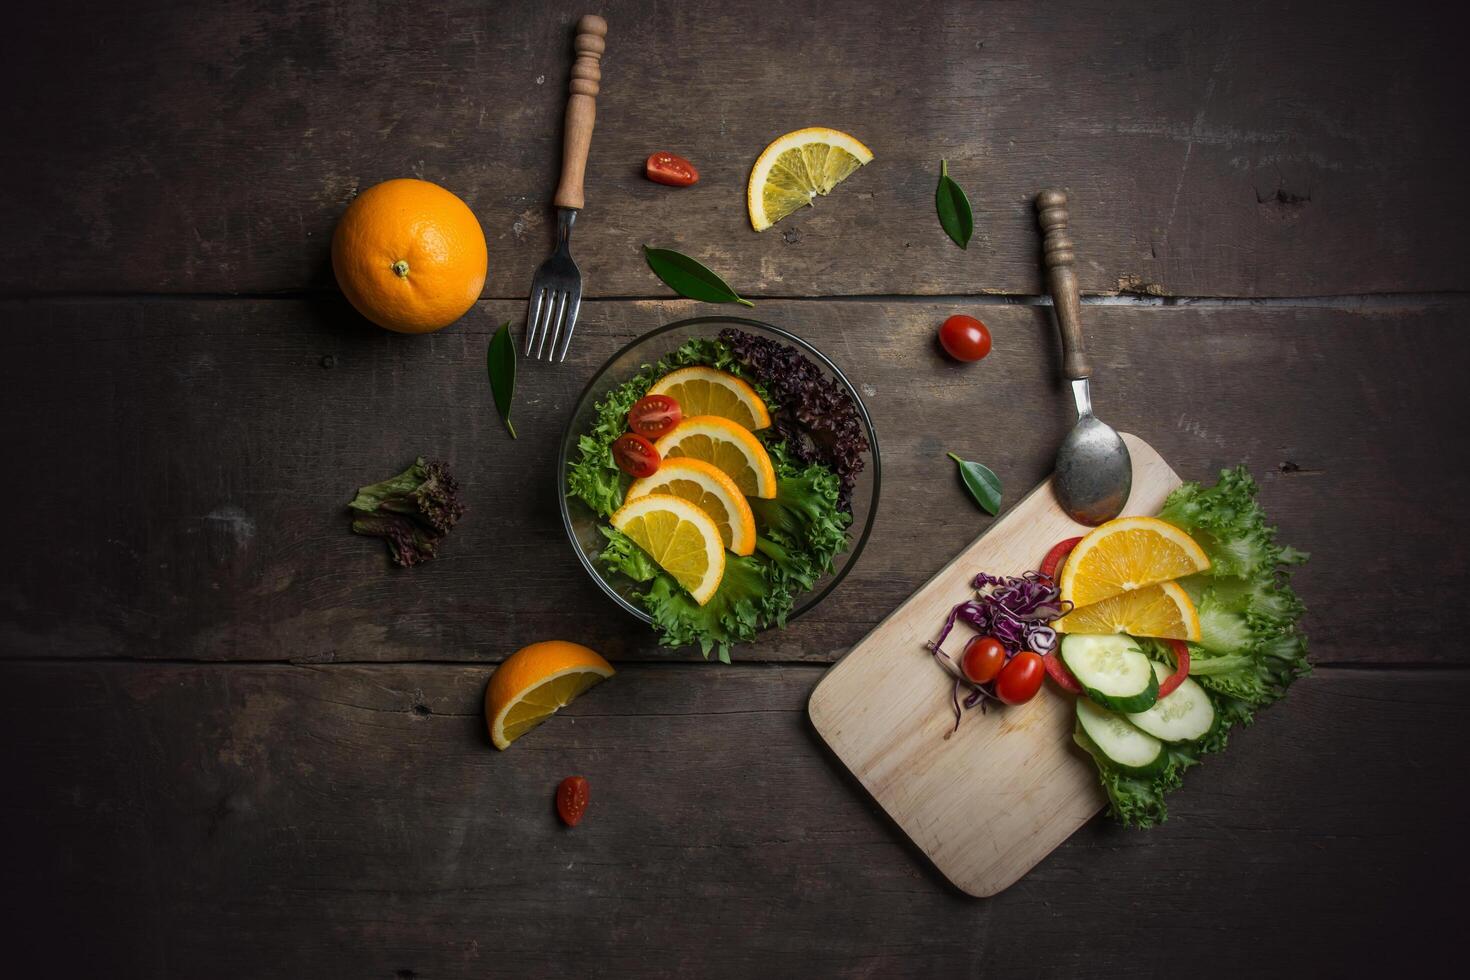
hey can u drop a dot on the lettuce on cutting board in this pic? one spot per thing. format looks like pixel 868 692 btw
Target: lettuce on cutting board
pixel 1251 648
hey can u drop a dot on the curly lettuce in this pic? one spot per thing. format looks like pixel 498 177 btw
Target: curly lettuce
pixel 1251 648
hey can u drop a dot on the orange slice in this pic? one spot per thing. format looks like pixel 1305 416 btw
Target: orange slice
pixel 680 537
pixel 1162 610
pixel 535 682
pixel 727 445
pixel 707 487
pixel 1126 554
pixel 706 391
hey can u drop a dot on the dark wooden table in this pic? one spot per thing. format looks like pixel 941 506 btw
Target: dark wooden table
pixel 239 745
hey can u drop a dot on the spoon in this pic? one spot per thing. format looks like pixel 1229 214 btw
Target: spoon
pixel 1093 472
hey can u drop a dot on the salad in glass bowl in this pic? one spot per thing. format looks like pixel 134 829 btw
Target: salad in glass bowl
pixel 719 477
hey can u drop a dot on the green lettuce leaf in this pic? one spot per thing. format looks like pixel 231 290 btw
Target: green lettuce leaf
pixel 1250 648
pixel 623 556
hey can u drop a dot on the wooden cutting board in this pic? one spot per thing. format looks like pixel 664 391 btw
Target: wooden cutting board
pixel 988 803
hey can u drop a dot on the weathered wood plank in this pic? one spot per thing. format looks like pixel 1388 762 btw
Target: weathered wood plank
pixel 1212 149
pixel 232 821
pixel 186 464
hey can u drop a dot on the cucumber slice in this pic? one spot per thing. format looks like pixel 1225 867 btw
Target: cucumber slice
pixel 1124 746
pixel 1182 716
pixel 1112 670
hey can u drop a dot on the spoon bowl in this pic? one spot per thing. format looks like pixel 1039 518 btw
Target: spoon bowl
pixel 1094 473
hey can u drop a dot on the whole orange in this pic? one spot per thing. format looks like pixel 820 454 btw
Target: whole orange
pixel 410 256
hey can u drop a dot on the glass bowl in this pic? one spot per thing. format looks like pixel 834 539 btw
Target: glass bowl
pixel 582 524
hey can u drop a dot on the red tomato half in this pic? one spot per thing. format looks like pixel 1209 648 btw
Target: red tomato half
pixel 964 338
pixel 1020 679
pixel 571 800
pixel 635 455
pixel 983 658
pixel 665 168
pixel 653 415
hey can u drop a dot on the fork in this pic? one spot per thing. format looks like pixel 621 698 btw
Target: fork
pixel 556 290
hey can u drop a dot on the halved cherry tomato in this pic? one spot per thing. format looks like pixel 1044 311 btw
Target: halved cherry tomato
pixel 635 455
pixel 665 168
pixel 571 800
pixel 1058 672
pixel 1053 559
pixel 983 658
pixel 964 338
pixel 1020 679
pixel 653 415
pixel 1169 684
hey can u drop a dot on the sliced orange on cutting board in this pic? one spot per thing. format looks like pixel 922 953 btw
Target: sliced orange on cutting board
pixel 728 446
pixel 707 487
pixel 680 537
pixel 536 682
pixel 1163 610
pixel 1126 555
pixel 707 391
pixel 796 167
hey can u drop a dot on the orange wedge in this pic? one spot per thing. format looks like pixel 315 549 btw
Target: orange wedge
pixel 727 445
pixel 1127 554
pixel 535 682
pixel 708 488
pixel 1162 610
pixel 706 391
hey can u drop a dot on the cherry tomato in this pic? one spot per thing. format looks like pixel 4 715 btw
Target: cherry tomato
pixel 964 338
pixel 571 800
pixel 665 168
pixel 1020 679
pixel 1062 675
pixel 1170 684
pixel 635 455
pixel 1053 559
pixel 653 415
pixel 983 658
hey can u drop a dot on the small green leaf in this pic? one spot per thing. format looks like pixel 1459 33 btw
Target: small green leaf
pixel 982 483
pixel 500 362
pixel 690 279
pixel 954 208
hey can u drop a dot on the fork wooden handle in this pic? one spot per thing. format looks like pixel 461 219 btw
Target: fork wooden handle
pixel 1061 281
pixel 581 109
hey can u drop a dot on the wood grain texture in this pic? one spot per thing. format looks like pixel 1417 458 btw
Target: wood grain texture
pixel 233 821
pixel 1211 148
pixel 187 463
pixel 990 799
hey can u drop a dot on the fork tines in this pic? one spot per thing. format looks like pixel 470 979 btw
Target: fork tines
pixel 551 313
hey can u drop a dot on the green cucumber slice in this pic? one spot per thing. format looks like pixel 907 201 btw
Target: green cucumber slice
pixel 1184 715
pixel 1112 670
pixel 1124 746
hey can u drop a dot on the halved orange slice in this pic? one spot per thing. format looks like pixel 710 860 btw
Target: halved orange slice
pixel 1163 610
pixel 706 391
pixel 680 537
pixel 707 487
pixel 1126 554
pixel 727 445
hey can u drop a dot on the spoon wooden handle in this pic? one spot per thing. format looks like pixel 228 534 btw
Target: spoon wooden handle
pixel 581 109
pixel 1061 281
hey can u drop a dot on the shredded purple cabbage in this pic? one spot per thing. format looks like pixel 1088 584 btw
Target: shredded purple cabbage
pixel 1013 609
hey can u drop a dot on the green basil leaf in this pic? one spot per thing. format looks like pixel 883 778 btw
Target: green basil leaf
pixel 954 209
pixel 982 483
pixel 688 278
pixel 500 362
